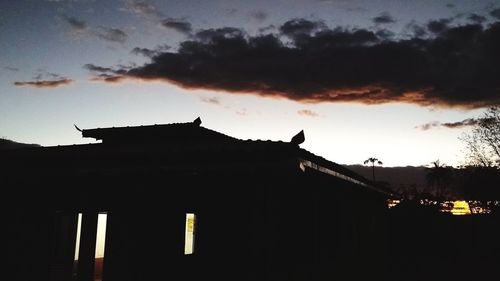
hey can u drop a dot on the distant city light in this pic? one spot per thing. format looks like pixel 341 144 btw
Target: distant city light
pixel 460 208
pixel 457 207
pixel 391 203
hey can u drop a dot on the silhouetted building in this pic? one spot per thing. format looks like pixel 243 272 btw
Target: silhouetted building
pixel 183 201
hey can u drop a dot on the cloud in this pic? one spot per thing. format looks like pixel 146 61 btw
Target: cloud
pixel 144 52
pixel 438 26
pixel 305 61
pixel 299 27
pixel 109 78
pixel 11 68
pixel 461 124
pixel 450 125
pixel 385 34
pixel 475 18
pixel 267 29
pixel 178 25
pixel 242 112
pixel 208 36
pixel 105 74
pixel 259 15
pixel 111 34
pixel 80 27
pixel 45 75
pixel 414 30
pixel 211 100
pixel 142 8
pixel 96 68
pixel 384 18
pixel 150 52
pixel 67 1
pixel 77 26
pixel 427 126
pixel 495 13
pixel 75 23
pixel 44 83
pixel 307 112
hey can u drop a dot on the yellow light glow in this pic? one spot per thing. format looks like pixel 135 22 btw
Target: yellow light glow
pixel 78 233
pixel 189 234
pixel 460 207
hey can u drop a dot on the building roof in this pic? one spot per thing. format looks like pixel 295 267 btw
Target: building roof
pixel 175 133
pixel 178 135
pixel 173 143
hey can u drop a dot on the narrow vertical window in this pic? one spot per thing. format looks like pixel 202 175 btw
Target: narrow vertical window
pixel 99 246
pixel 77 244
pixel 189 234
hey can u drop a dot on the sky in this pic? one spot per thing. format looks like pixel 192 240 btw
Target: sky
pixel 397 80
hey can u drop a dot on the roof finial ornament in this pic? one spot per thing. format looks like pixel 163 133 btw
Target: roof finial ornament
pixel 77 128
pixel 298 138
pixel 197 121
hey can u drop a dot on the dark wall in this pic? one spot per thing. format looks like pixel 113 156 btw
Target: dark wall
pixel 255 223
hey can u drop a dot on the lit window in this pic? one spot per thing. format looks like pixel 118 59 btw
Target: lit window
pixel 77 244
pixel 99 246
pixel 189 234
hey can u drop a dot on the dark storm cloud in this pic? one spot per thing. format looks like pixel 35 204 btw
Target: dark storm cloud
pixel 384 18
pixel 451 125
pixel 44 83
pixel 475 18
pixel 178 25
pixel 111 34
pixel 308 62
pixel 495 13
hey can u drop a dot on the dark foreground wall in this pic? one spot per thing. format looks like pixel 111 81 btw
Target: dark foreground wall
pixel 267 222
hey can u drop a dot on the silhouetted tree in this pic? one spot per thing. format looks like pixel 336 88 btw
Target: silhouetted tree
pixel 374 161
pixel 483 142
pixel 439 178
pixel 479 183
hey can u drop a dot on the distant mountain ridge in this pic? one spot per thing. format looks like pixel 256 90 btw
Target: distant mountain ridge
pixel 6 144
pixel 399 179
